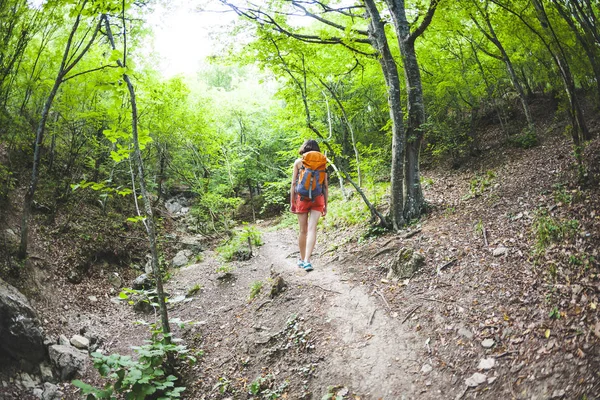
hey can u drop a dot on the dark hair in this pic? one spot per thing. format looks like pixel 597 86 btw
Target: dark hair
pixel 309 145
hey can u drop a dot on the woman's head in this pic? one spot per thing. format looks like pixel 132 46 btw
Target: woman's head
pixel 309 145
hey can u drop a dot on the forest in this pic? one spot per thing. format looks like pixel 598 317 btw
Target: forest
pixel 463 131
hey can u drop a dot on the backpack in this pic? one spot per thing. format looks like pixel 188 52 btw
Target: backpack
pixel 311 175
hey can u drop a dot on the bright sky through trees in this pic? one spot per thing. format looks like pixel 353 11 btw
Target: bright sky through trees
pixel 184 35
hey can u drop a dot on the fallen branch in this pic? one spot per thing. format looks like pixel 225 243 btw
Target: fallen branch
pixel 383 252
pixel 411 313
pixel 428 299
pixel 263 304
pixel 384 300
pixel 449 263
pixel 327 290
pixel 408 235
pixel 372 316
pixel 485 237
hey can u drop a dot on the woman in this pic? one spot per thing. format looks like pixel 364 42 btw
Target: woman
pixel 309 197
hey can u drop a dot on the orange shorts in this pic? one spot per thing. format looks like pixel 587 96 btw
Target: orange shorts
pixel 304 206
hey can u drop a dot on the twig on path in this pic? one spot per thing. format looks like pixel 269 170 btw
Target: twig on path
pixel 327 290
pixel 485 237
pixel 428 299
pixel 384 300
pixel 372 316
pixel 263 304
pixel 506 353
pixel 292 254
pixel 411 313
pixel 449 263
pixel 383 252
pixel 410 234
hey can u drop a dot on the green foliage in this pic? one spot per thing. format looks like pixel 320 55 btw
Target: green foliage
pixel 255 289
pixel 264 388
pixel 194 289
pixel 7 181
pixel 275 196
pixel 548 229
pixel 554 313
pixel 479 184
pixel 525 140
pixel 216 209
pixel 141 378
pixel 239 247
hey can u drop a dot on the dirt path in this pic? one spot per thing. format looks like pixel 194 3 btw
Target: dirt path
pixel 354 344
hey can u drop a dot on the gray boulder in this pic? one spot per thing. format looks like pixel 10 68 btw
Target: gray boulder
pixel 67 360
pixel 182 258
pixel 21 335
pixel 142 282
pixel 51 392
pixel 406 262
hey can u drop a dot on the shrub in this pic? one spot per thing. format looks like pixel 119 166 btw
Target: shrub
pixel 146 377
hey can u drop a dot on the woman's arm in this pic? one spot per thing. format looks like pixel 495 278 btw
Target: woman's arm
pixel 325 192
pixel 293 187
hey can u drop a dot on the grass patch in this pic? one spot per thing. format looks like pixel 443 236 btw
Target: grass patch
pixel 239 247
pixel 255 289
pixel 548 230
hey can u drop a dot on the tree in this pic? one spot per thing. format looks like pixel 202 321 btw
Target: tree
pixel 74 51
pixel 406 144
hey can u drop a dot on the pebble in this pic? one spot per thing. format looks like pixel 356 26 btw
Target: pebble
pixel 487 363
pixel 476 379
pixel 488 343
pixel 426 369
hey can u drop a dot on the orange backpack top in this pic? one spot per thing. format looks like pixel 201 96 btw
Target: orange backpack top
pixel 311 175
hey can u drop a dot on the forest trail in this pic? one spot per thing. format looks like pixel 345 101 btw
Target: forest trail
pixel 355 345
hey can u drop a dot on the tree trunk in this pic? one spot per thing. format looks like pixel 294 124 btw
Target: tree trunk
pixel 392 81
pixel 415 104
pixel 149 221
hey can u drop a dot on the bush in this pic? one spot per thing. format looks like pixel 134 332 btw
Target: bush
pixel 239 247
pixel 146 377
pixel 525 140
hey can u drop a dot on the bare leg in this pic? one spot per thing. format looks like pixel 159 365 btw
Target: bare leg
pixel 311 235
pixel 303 223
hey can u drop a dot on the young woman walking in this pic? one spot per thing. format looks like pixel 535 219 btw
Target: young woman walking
pixel 309 197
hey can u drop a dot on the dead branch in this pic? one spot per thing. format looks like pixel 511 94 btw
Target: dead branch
pixel 411 313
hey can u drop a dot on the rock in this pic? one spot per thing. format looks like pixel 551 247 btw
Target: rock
pixel 475 380
pixel 492 379
pixel 193 243
pixel 93 299
pixel 80 342
pixel 62 339
pixel 27 381
pixel 115 280
pixel 74 276
pixel 466 333
pixel 406 262
pixel 142 305
pixel 148 266
pixel 67 360
pixel 21 335
pixel 488 343
pixel 181 259
pixel 51 392
pixel 142 282
pixel 500 251
pixel 487 363
pixel 558 394
pixel 173 205
pixel 46 372
pixel 278 286
pixel 426 368
pixel 11 237
pixel 37 392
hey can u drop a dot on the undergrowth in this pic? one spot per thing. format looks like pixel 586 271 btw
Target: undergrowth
pixel 151 376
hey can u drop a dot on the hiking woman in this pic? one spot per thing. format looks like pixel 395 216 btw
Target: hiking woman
pixel 309 197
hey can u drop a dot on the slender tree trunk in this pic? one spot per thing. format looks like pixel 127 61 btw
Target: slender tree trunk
pixel 415 109
pixel 490 34
pixel 580 131
pixel 392 81
pixel 149 221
